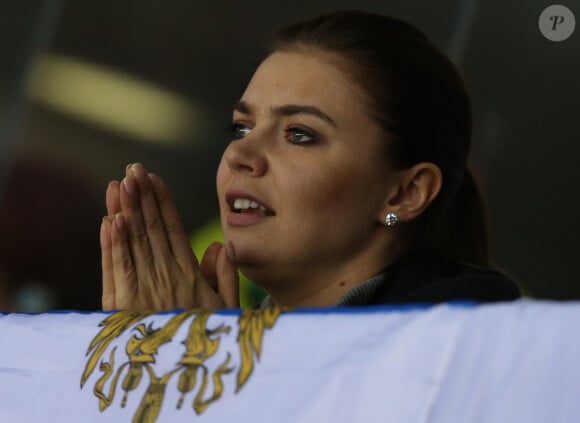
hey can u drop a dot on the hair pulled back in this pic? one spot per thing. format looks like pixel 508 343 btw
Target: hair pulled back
pixel 417 96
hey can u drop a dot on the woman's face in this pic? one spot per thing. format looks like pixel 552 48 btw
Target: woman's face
pixel 302 184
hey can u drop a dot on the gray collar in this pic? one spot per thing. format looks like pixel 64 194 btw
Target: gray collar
pixel 363 292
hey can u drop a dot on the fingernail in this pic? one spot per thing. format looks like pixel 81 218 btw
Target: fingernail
pixel 139 171
pixel 128 167
pixel 154 180
pixel 120 220
pixel 129 185
pixel 231 252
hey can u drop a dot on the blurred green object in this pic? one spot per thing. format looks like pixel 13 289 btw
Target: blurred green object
pixel 250 293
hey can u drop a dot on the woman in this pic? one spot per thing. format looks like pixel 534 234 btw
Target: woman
pixel 345 184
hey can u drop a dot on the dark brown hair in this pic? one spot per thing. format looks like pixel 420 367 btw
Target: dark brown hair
pixel 418 97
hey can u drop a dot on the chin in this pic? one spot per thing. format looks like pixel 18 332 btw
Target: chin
pixel 255 261
pixel 248 252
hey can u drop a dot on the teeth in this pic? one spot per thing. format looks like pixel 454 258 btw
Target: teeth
pixel 244 203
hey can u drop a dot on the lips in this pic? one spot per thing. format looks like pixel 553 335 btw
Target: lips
pixel 241 201
pixel 244 205
pixel 246 208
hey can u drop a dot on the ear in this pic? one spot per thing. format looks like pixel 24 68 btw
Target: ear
pixel 418 186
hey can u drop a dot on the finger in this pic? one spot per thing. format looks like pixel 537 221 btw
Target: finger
pixel 153 224
pixel 228 277
pixel 108 298
pixel 140 244
pixel 209 262
pixel 124 274
pixel 112 199
pixel 176 235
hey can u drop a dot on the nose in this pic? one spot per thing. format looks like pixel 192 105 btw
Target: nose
pixel 245 155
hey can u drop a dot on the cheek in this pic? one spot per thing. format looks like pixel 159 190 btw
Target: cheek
pixel 342 194
pixel 221 176
pixel 323 195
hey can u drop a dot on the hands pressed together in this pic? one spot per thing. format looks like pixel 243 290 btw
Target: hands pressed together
pixel 147 261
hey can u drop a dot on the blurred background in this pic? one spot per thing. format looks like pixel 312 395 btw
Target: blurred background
pixel 87 87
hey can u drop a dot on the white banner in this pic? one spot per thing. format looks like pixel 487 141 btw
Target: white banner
pixel 511 362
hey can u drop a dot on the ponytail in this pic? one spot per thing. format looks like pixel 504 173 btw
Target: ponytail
pixel 469 238
pixel 453 229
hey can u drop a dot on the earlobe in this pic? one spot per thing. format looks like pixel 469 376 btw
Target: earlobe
pixel 416 190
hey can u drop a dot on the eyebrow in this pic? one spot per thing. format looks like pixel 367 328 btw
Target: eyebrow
pixel 288 110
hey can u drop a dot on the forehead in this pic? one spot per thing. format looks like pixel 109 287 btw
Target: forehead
pixel 303 77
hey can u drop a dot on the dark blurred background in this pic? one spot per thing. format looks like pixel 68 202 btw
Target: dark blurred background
pixel 89 86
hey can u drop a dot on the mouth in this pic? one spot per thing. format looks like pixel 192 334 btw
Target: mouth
pixel 245 203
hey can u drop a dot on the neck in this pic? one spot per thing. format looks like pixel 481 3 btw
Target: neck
pixel 320 287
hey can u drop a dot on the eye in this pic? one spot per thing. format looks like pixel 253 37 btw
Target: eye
pixel 238 130
pixel 297 135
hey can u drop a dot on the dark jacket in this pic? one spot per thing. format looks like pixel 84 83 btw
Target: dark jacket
pixel 432 283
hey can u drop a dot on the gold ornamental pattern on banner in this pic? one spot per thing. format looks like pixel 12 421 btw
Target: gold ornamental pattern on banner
pixel 196 374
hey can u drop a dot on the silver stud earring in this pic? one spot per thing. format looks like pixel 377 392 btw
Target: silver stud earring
pixel 391 219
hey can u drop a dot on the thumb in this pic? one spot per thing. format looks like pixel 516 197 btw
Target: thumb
pixel 228 279
pixel 208 264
